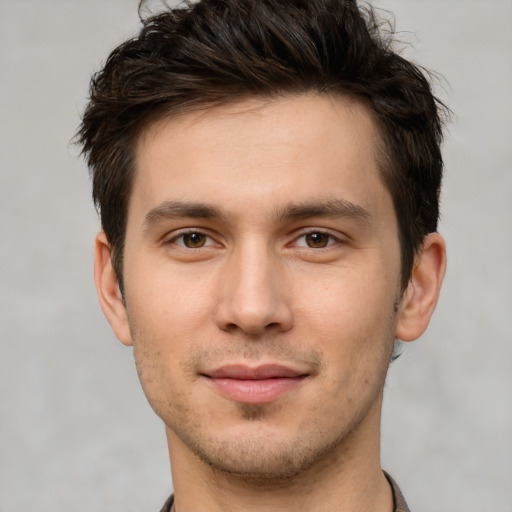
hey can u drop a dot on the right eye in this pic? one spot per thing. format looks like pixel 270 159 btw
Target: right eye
pixel 192 240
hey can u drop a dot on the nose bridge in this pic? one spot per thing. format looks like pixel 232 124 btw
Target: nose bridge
pixel 253 297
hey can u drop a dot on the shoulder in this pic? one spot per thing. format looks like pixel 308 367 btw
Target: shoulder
pixel 168 504
pixel 398 497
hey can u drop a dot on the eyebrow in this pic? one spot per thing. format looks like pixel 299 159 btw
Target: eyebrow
pixel 176 209
pixel 335 208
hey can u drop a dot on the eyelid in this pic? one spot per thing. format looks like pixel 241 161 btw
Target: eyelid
pixel 172 237
pixel 337 238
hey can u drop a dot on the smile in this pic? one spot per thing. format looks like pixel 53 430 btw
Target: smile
pixel 260 385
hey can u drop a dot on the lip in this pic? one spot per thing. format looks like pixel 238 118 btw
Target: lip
pixel 254 385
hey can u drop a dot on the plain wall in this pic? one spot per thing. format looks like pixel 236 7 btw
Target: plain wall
pixel 75 430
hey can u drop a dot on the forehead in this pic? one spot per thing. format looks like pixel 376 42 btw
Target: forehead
pixel 321 112
pixel 266 150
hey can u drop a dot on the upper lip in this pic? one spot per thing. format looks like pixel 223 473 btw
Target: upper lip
pixel 244 372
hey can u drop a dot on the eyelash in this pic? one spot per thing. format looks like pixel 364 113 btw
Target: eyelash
pixel 331 239
pixel 209 241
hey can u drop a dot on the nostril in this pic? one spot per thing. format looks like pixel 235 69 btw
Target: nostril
pixel 253 310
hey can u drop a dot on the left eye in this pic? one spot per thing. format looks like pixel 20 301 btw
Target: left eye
pixel 193 240
pixel 315 240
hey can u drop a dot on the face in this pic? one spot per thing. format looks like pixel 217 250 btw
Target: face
pixel 262 277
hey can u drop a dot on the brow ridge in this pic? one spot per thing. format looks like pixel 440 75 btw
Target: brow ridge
pixel 177 209
pixel 337 208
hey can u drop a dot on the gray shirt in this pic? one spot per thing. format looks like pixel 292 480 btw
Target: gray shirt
pixel 399 502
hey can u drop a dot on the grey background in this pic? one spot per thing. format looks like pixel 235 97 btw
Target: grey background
pixel 75 431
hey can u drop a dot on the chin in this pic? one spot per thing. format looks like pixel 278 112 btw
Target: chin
pixel 256 464
pixel 259 457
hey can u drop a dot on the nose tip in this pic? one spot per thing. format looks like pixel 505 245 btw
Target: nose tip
pixel 254 301
pixel 255 319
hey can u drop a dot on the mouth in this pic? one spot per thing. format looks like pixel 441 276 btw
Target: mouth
pixel 254 385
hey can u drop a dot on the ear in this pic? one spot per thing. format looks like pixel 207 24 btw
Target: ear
pixel 107 287
pixel 420 298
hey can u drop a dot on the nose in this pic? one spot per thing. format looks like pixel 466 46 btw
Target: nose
pixel 253 294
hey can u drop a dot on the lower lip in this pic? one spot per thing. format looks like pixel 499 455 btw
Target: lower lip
pixel 260 391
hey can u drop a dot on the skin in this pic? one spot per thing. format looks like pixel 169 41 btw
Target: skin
pixel 260 233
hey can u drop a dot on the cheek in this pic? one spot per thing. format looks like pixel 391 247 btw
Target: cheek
pixel 169 316
pixel 166 304
pixel 157 355
pixel 155 330
pixel 352 316
pixel 350 301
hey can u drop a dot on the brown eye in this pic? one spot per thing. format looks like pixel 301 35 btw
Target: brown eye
pixel 317 240
pixel 194 240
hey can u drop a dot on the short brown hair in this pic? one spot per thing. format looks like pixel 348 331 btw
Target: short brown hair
pixel 214 51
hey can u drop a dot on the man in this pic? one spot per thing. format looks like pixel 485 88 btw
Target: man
pixel 267 174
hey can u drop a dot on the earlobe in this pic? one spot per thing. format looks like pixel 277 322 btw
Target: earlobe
pixel 420 298
pixel 107 287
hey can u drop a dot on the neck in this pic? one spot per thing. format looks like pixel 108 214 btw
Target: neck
pixel 348 478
